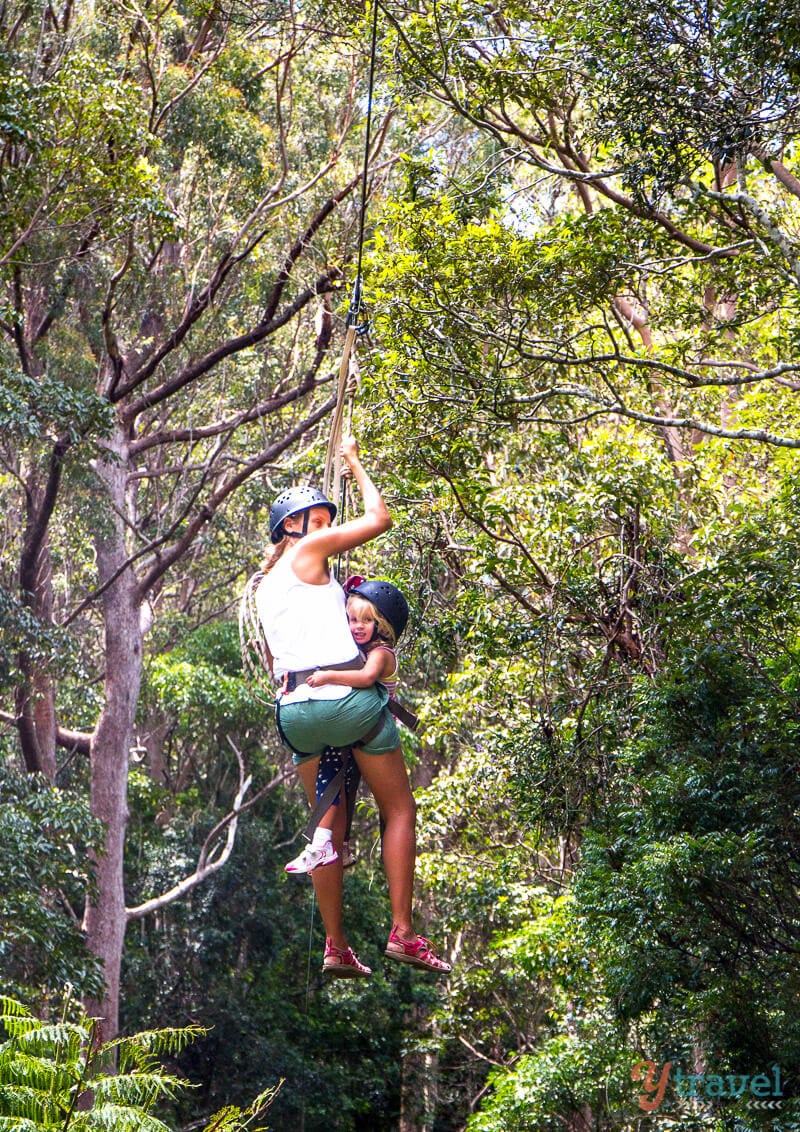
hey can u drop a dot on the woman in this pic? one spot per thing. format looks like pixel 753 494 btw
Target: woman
pixel 302 611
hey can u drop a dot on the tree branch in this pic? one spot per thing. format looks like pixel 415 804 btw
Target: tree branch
pixel 782 241
pixel 207 864
pixel 207 512
pixel 263 409
pixel 779 170
pixel 250 468
pixel 618 408
pixel 517 594
pixel 212 856
pixel 23 236
pixel 232 346
pixel 39 522
pixel 203 300
pixel 78 741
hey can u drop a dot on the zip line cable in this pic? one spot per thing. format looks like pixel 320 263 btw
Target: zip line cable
pixel 331 482
pixel 356 301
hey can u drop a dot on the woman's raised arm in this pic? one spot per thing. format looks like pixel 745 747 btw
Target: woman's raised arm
pixel 375 520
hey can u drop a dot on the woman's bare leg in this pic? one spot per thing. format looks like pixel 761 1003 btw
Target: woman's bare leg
pixel 327 879
pixel 387 778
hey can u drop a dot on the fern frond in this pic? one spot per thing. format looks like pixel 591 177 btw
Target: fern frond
pixel 138 1049
pixel 20 1101
pixel 224 1120
pixel 61 1040
pixel 39 1074
pixel 17 1025
pixel 43 1063
pixel 142 1089
pixel 116 1118
pixel 235 1119
pixel 260 1105
pixel 13 1008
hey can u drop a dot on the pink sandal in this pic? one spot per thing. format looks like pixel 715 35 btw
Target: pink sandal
pixel 342 963
pixel 418 954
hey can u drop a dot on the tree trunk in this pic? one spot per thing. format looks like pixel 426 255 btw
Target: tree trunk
pixel 35 696
pixel 419 1083
pixel 105 912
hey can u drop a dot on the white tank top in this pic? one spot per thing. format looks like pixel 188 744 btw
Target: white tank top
pixel 306 627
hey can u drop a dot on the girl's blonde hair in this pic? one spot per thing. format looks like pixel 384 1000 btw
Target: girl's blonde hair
pixel 360 605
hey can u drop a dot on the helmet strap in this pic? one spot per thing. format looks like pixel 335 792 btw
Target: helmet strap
pixel 299 534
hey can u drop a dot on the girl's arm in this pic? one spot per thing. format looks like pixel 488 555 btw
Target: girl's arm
pixel 379 663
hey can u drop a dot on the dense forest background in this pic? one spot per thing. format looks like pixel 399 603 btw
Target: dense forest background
pixel 579 377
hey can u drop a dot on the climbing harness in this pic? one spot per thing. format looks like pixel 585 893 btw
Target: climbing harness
pixel 345 783
pixel 292 679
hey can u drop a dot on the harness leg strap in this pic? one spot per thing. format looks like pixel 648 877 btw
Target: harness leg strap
pixel 326 799
pixel 352 778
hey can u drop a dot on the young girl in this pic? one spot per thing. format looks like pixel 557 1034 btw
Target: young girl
pixel 377 613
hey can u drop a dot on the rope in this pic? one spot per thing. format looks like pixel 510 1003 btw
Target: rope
pixel 331 481
pixel 256 661
pixel 307 1060
pixel 332 476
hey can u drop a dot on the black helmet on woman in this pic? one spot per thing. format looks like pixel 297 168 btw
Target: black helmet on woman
pixel 387 599
pixel 293 501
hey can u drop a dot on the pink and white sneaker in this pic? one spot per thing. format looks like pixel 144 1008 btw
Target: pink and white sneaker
pixel 312 857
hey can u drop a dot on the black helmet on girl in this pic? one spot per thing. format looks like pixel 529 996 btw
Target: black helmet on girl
pixel 293 501
pixel 387 599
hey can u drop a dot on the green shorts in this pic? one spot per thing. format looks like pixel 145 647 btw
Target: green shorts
pixel 312 725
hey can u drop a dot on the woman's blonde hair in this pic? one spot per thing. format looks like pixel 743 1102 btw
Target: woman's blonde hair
pixel 274 554
pixel 365 608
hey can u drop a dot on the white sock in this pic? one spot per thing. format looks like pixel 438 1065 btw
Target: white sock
pixel 321 837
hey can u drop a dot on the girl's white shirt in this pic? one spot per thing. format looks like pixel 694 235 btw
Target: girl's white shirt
pixel 306 627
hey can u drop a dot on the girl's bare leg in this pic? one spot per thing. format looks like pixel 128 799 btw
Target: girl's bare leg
pixel 327 880
pixel 387 778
